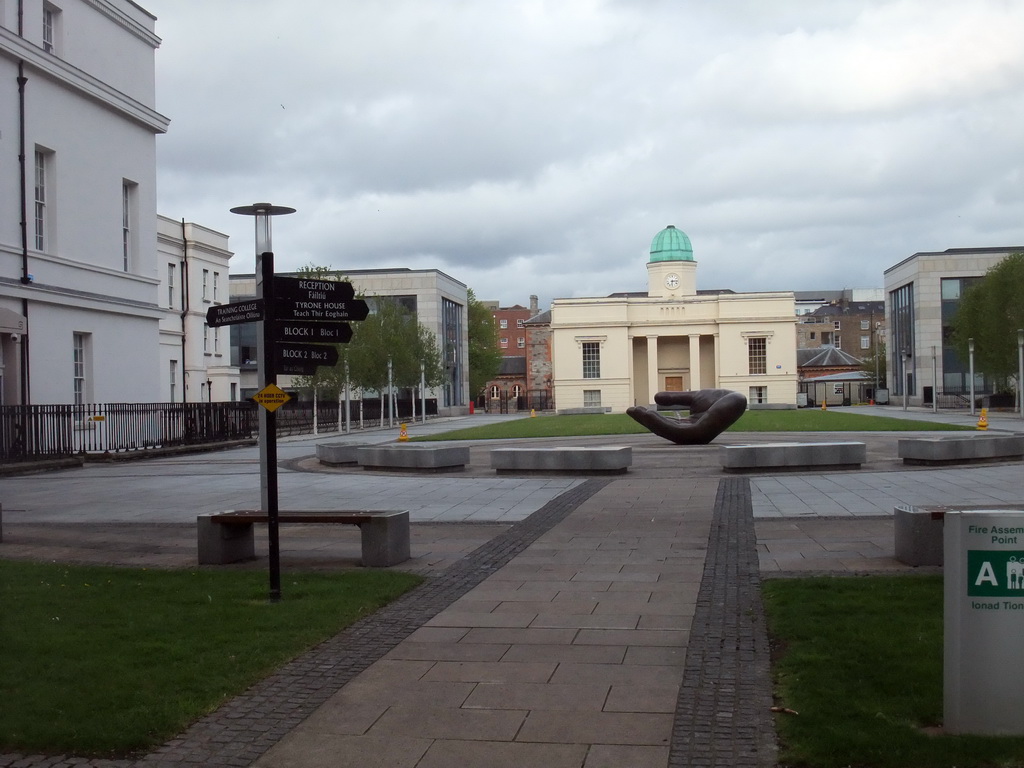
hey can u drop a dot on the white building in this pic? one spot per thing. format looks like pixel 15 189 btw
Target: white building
pixel 438 301
pixel 195 359
pixel 618 351
pixel 79 312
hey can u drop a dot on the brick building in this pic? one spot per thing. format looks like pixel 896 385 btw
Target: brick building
pixel 524 378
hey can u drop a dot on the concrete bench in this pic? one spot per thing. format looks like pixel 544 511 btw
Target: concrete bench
pixel 227 537
pixel 918 534
pixel 792 456
pixel 937 451
pixel 338 454
pixel 422 458
pixel 569 460
pixel 584 410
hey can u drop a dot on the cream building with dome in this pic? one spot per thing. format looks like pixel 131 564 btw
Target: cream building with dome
pixel 618 351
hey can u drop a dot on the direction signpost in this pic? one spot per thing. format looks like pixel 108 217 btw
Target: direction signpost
pixel 298 317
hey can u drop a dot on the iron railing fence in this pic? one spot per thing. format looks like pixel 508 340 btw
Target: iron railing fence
pixel 33 432
pixel 37 431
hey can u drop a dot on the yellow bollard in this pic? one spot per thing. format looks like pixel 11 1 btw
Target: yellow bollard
pixel 983 420
pixel 533 413
pixel 403 434
pixel 823 405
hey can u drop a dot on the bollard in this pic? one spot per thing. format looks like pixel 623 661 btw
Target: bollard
pixel 983 419
pixel 823 405
pixel 403 434
pixel 533 413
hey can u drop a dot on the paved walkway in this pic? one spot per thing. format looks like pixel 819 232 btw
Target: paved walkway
pixel 618 624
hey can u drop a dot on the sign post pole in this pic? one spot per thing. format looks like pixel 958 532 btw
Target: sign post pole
pixel 268 376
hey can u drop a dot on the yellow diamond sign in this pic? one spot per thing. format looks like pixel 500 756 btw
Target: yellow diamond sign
pixel 271 397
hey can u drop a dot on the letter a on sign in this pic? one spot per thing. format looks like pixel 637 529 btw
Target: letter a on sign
pixel 986 574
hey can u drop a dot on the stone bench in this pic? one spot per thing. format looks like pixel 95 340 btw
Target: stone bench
pixel 584 410
pixel 792 456
pixel 568 460
pixel 338 454
pixel 227 537
pixel 918 534
pixel 937 451
pixel 414 458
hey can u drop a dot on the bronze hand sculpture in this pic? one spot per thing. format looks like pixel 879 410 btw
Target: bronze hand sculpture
pixel 712 411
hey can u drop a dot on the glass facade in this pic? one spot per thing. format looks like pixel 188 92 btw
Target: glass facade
pixel 955 370
pixel 901 303
pixel 452 320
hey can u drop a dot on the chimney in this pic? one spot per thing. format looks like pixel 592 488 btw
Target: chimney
pixel 534 305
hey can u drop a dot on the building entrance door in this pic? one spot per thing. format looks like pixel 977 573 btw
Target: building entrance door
pixel 674 384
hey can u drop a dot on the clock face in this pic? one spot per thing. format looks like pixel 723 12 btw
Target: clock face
pixel 672 280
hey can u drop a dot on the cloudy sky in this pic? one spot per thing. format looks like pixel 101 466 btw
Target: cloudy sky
pixel 537 146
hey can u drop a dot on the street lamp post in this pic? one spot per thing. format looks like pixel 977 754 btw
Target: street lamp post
pixel 267 375
pixel 904 356
pixel 876 362
pixel 1020 371
pixel 970 369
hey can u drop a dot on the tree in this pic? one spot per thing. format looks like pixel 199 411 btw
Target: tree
pixel 484 355
pixel 392 333
pixel 876 358
pixel 990 312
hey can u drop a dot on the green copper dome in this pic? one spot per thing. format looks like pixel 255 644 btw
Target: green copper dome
pixel 671 244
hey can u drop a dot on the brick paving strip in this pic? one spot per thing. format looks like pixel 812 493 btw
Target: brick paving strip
pixel 723 715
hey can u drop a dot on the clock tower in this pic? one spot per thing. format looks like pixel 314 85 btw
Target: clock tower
pixel 671 271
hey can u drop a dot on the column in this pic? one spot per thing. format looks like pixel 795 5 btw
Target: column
pixel 652 368
pixel 695 361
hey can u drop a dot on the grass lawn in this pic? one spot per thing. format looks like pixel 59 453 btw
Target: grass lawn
pixel 860 660
pixel 99 661
pixel 798 420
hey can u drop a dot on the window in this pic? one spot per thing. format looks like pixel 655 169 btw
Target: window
pixel 495 392
pixel 835 326
pixel 206 338
pixel 206 285
pixel 51 28
pixel 128 218
pixel 591 360
pixel 521 342
pixel 42 174
pixel 78 382
pixel 234 392
pixel 757 354
pixel 838 342
pixel 865 325
pixel 758 395
pixel 216 342
pixel 170 286
pixel 503 342
pixel 519 323
pixel 813 334
pixel 517 391
pixel 591 398
pixel 826 337
pixel 216 280
pixel 503 323
pixel 865 342
pixel 174 378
